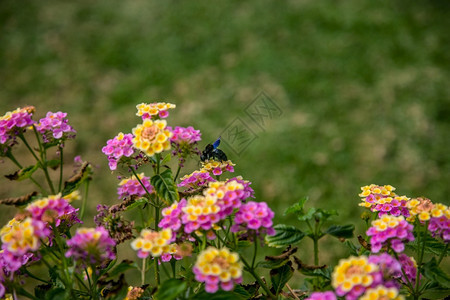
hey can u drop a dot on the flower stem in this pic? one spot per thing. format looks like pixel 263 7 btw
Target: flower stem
pixel 444 252
pixel 255 250
pixel 178 173
pixel 144 267
pixel 83 205
pixel 258 279
pixel 61 164
pixel 419 263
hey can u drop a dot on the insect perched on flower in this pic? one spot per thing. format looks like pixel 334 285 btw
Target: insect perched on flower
pixel 211 152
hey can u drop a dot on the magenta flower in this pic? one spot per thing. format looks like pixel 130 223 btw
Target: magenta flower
pixel 14 123
pixel 91 246
pixel 383 200
pixel 409 266
pixel 132 187
pixel 196 180
pixel 54 209
pixel 440 227
pixel 172 216
pixel 389 269
pixel 390 231
pixel 55 126
pixel 118 147
pixel 329 295
pixel 254 216
pixel 187 135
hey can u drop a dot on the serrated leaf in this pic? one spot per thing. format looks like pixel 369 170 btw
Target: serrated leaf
pixel 345 231
pixel 432 246
pixel 285 235
pixel 23 173
pixel 297 207
pixel 432 271
pixel 271 264
pixel 137 203
pixel 434 291
pixel 75 181
pixel 281 276
pixel 165 186
pixel 170 289
pixel 19 201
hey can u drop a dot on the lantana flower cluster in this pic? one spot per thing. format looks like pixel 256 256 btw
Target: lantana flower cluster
pixel 54 209
pixel 91 246
pixel 132 187
pixel 390 231
pixel 218 167
pixel 55 126
pixel 255 216
pixel 13 123
pixel 118 147
pixel 184 135
pixel 154 110
pixel 409 266
pixel 19 238
pixel 217 267
pixel 383 200
pixel 382 293
pixel 328 295
pixel 353 276
pixel 153 243
pixel 437 214
pixel 152 137
pixel 196 179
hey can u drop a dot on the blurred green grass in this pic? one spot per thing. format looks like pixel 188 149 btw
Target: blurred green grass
pixel 363 86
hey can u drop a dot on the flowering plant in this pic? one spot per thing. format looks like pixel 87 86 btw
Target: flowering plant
pixel 198 236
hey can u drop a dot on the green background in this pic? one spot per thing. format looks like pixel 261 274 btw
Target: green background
pixel 362 87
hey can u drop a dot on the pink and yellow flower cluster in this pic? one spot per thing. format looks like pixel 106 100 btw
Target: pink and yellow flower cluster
pixel 118 147
pixel 14 122
pixel 152 137
pixel 196 179
pixel 383 200
pixel 153 243
pixel 256 216
pixel 55 126
pixel 390 231
pixel 159 109
pixel 218 266
pixel 132 187
pixel 218 167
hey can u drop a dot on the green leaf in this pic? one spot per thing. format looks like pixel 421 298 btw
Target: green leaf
pixel 122 267
pixel 78 179
pixel 434 291
pixel 271 264
pixel 165 186
pixel 53 164
pixel 41 290
pixel 352 248
pixel 56 294
pixel 137 203
pixel 281 276
pixel 170 289
pixel 238 293
pixel 432 246
pixel 23 173
pixel 345 231
pixel 432 271
pixel 324 214
pixel 166 159
pixel 297 207
pixel 285 235
pixel 308 215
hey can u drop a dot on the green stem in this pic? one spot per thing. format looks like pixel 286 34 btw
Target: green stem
pixel 441 257
pixel 143 270
pixel 173 264
pixel 61 165
pixel 140 182
pixel 419 263
pixel 255 242
pixel 165 270
pixel 258 279
pixel 42 163
pixel 23 292
pixel 178 173
pixel 157 272
pixel 316 251
pixel 34 276
pixel 83 205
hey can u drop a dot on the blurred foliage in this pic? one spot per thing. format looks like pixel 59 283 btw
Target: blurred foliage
pixel 362 85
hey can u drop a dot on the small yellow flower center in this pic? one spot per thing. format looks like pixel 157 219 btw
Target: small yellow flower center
pixel 149 133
